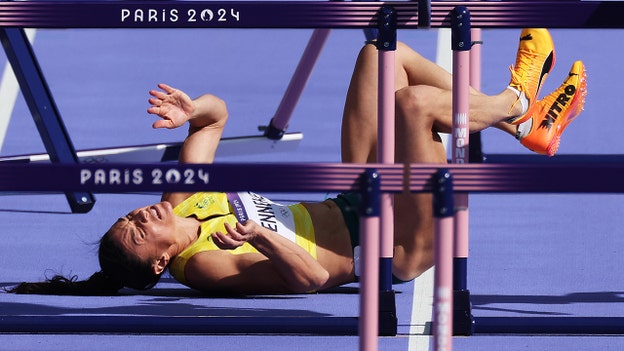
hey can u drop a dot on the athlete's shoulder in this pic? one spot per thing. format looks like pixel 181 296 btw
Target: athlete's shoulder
pixel 203 204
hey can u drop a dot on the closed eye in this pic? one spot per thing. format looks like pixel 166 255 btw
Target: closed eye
pixel 138 235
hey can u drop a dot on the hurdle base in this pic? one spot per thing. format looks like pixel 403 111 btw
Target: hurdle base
pixel 179 325
pixel 550 325
pixel 388 320
pixel 271 131
pixel 80 202
pixel 463 321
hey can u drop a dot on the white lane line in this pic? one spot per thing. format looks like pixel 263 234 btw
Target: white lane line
pixel 422 304
pixel 9 88
pixel 422 311
pixel 444 59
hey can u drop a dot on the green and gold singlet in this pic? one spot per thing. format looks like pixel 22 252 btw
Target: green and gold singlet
pixel 215 209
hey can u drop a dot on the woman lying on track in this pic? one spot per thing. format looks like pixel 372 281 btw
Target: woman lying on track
pixel 309 246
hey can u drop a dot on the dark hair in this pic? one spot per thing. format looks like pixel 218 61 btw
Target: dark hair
pixel 99 284
pixel 126 269
pixel 118 270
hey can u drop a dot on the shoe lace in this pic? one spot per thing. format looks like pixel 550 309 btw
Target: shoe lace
pixel 524 69
pixel 521 73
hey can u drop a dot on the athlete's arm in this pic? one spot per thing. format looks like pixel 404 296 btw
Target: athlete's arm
pixel 221 272
pixel 282 266
pixel 206 116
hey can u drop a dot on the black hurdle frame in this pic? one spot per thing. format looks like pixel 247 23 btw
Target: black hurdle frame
pixel 42 107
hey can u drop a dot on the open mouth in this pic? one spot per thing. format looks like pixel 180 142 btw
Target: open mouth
pixel 155 212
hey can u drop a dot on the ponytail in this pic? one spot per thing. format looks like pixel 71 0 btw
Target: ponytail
pixel 118 270
pixel 99 284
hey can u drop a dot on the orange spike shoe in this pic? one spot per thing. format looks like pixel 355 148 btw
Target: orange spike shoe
pixel 551 115
pixel 534 61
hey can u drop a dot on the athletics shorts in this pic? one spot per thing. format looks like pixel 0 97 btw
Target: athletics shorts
pixel 349 204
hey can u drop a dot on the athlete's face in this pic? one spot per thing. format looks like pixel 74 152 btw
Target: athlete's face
pixel 146 232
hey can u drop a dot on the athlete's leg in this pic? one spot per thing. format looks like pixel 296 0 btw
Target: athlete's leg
pixel 429 82
pixel 424 107
pixel 421 113
pixel 359 121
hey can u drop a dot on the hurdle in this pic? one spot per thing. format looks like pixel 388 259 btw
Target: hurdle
pixel 586 12
pixel 57 140
pixel 168 152
pixel 464 322
pixel 473 178
pixel 374 14
pixel 43 108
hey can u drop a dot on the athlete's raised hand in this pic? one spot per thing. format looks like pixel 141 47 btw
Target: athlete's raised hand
pixel 173 106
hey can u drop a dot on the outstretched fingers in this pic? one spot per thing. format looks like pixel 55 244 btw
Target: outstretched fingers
pixel 171 105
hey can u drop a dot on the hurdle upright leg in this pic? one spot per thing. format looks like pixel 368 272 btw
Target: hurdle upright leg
pixel 369 281
pixel 461 44
pixel 475 147
pixel 43 108
pixel 278 124
pixel 386 47
pixel 443 208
